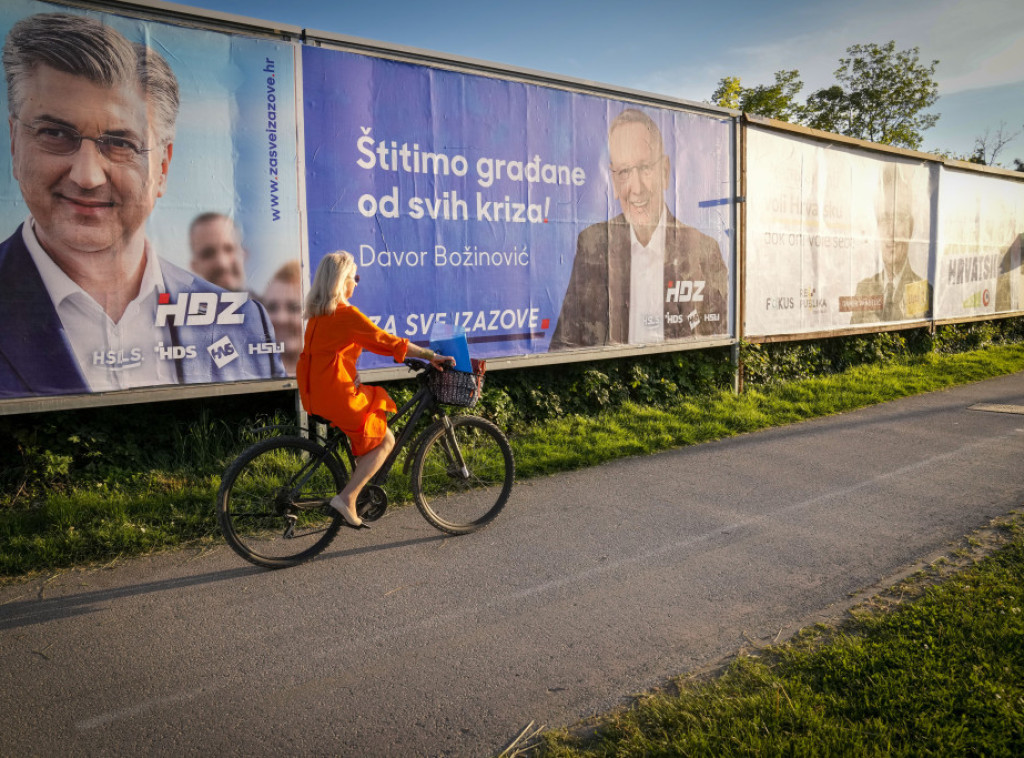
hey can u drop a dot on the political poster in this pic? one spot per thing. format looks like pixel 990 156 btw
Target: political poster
pixel 533 218
pixel 836 236
pixel 981 228
pixel 149 204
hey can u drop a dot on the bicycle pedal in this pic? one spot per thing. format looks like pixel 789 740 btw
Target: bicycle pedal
pixel 291 520
pixel 372 502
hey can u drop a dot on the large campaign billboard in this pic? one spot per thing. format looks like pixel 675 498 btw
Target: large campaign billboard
pixel 837 236
pixel 149 204
pixel 535 218
pixel 981 228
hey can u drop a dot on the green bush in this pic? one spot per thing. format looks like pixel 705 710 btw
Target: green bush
pixel 51 452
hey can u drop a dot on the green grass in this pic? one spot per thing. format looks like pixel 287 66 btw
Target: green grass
pixel 131 512
pixel 942 675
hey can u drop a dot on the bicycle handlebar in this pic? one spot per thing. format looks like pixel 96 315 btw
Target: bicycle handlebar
pixel 417 364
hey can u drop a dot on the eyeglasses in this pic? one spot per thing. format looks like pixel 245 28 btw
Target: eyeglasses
pixel 644 170
pixel 355 278
pixel 61 139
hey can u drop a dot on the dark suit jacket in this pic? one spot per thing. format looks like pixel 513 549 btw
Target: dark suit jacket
pixel 911 298
pixel 36 357
pixel 595 310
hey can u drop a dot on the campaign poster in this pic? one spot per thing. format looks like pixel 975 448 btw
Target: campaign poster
pixel 490 206
pixel 979 252
pixel 149 202
pixel 836 237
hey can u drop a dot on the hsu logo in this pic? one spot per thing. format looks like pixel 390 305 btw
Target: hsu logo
pixel 200 308
pixel 266 348
pixel 222 352
pixel 685 292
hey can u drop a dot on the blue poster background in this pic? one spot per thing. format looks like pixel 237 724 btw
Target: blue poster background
pixel 221 157
pixel 402 165
pixel 235 152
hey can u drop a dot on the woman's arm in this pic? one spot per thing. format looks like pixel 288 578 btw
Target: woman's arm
pixel 368 335
pixel 437 360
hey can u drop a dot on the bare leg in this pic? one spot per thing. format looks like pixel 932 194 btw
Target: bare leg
pixel 366 466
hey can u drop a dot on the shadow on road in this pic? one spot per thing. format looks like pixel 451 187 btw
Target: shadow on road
pixel 19 613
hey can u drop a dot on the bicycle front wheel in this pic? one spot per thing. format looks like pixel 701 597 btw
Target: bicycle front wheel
pixel 462 474
pixel 273 504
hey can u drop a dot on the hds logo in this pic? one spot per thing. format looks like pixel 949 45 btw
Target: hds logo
pixel 222 351
pixel 175 352
pixel 200 308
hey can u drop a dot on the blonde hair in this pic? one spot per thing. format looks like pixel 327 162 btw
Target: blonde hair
pixel 328 289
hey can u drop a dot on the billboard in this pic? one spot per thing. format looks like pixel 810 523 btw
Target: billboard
pixel 148 203
pixel 836 236
pixel 536 219
pixel 981 227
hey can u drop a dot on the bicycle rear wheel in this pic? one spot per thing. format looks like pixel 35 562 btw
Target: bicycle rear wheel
pixel 462 476
pixel 273 501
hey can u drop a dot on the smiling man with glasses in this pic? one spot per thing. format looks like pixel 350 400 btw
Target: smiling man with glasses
pixel 86 303
pixel 642 277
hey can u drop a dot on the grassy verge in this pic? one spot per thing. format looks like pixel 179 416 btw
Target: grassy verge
pixel 131 512
pixel 941 675
pixel 575 441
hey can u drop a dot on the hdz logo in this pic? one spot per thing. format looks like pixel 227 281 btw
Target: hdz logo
pixel 222 352
pixel 200 308
pixel 685 292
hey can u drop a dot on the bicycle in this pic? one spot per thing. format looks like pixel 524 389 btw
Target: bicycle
pixel 273 505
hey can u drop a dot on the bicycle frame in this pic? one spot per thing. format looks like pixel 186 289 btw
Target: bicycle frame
pixel 421 403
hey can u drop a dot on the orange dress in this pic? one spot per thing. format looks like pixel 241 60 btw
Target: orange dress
pixel 329 385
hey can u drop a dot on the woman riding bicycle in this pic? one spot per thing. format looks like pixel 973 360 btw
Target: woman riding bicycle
pixel 336 334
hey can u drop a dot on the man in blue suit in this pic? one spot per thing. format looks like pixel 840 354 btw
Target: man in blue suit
pixel 86 304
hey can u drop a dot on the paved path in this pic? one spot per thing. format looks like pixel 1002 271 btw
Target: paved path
pixel 591 587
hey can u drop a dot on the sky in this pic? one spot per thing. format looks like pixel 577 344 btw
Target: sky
pixel 682 48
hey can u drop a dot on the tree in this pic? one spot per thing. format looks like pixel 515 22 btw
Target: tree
pixel 881 96
pixel 776 101
pixel 728 93
pixel 988 146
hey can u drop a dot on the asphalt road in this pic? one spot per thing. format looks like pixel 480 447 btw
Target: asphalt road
pixel 591 587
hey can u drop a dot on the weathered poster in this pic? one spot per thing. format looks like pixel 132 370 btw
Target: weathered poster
pixel 979 247
pixel 836 236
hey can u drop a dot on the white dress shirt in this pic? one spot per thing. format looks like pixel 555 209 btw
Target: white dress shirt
pixel 647 286
pixel 112 356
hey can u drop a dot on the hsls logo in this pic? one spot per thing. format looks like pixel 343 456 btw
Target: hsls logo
pixel 200 308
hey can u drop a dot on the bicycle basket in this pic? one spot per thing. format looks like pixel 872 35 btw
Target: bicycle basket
pixel 462 388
